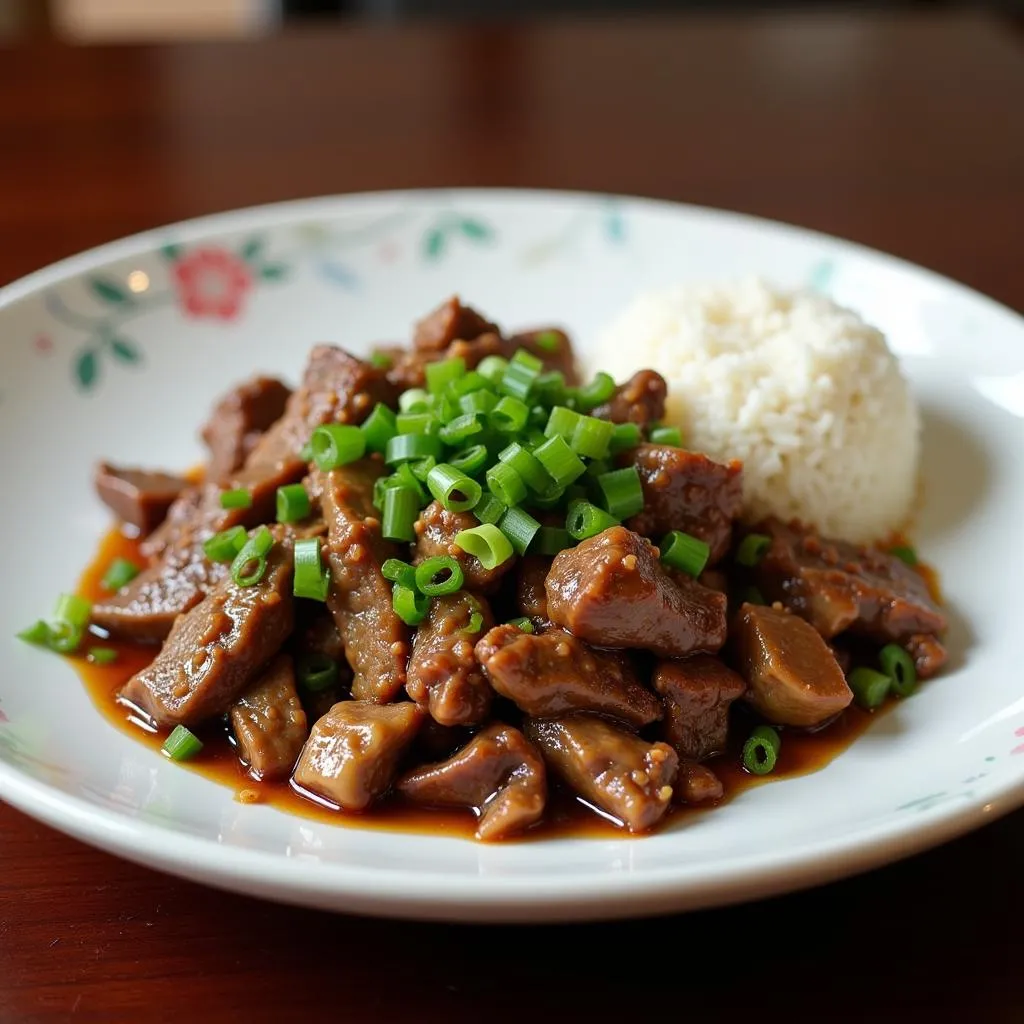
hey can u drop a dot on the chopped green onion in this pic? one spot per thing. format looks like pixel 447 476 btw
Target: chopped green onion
pixel 520 528
pixel 560 462
pixel 239 498
pixel 101 655
pixel 905 553
pixel 417 423
pixel 414 400
pixel 306 452
pixel 337 444
pixel 563 422
pixel 624 437
pixel 39 633
pixel 486 543
pixel 470 460
pixel 489 509
pixel 443 372
pixel 523 623
pixel 65 638
pixel 250 564
pixel 592 437
pixel 506 484
pixel 548 341
pixel 899 666
pixel 550 540
pixel 223 546
pixel 456 491
pixel 119 574
pixel 404 476
pixel 752 549
pixel 667 435
pixel 686 553
pixel 316 671
pixel 598 466
pixel 378 428
pixel 73 610
pixel 549 390
pixel 292 503
pixel 599 390
pixel 409 605
pixel 397 571
pixel 401 508
pixel 182 744
pixel 587 520
pixel 529 468
pixel 492 369
pixel 870 688
pixel 509 416
pixel 380 361
pixel 312 579
pixel 476 617
pixel 761 751
pixel 621 492
pixel 523 370
pixel 478 402
pixel 421 467
pixel 467 383
pixel 408 447
pixel 461 429
pixel 439 575
pixel 550 499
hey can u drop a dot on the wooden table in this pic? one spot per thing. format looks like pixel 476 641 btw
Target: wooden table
pixel 905 133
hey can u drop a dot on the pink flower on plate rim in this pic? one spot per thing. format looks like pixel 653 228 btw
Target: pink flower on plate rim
pixel 212 282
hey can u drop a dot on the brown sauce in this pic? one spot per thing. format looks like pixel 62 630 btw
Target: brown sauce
pixel 800 754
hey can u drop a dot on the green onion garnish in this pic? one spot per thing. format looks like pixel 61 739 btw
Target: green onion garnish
pixel 421 467
pixel 870 688
pixel 238 498
pixel 599 390
pixel 624 437
pixel 470 460
pixel 523 370
pixel 621 492
pixel 39 633
pixel 380 361
pixel 489 509
pixel 506 484
pixel 492 369
pixel 378 428
pixel 182 744
pixel 456 491
pixel 409 605
pixel 761 751
pixel 224 546
pixel 529 468
pixel 549 390
pixel 292 503
pixel 417 423
pixel 461 429
pixel 550 540
pixel 415 400
pixel 687 554
pixel 250 564
pixel 312 579
pixel 408 447
pixel 72 610
pixel 443 372
pixel 548 341
pixel 316 671
pixel 905 554
pixel 522 623
pixel 667 435
pixel 560 462
pixel 509 416
pixel 563 422
pixel 397 571
pixel 337 444
pixel 486 543
pixel 752 549
pixel 440 575
pixel 306 452
pixel 101 655
pixel 586 520
pixel 592 437
pixel 478 403
pixel 468 382
pixel 520 528
pixel 401 508
pixel 119 574
pixel 899 666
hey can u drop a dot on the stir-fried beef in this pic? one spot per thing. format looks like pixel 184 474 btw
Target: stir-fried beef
pixel 697 784
pixel 698 692
pixel 554 672
pixel 612 591
pixel 641 400
pixel 450 321
pixel 838 586
pixel 269 723
pixel 625 776
pixel 686 491
pixel 551 346
pixel 353 752
pixel 138 497
pixel 792 674
pixel 444 674
pixel 498 774
pixel 531 597
pixel 436 530
pixel 928 652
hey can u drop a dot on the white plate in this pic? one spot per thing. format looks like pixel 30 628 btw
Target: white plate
pixel 119 352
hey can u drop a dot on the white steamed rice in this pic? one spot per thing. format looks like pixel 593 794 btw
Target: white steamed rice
pixel 803 391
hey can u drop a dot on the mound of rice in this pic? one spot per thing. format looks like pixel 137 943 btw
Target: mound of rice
pixel 803 391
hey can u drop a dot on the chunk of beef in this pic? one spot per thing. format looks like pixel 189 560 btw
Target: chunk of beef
pixel 436 530
pixel 450 321
pixel 697 784
pixel 697 692
pixel 928 652
pixel 550 345
pixel 837 586
pixel 136 496
pixel 531 597
pixel 641 400
pixel 404 368
pixel 215 650
pixel 553 673
pixel 498 774
pixel 188 508
pixel 352 754
pixel 375 638
pixel 686 491
pixel 319 637
pixel 444 674
pixel 612 591
pixel 623 775
pixel 269 723
pixel 792 674
pixel 239 420
pixel 474 352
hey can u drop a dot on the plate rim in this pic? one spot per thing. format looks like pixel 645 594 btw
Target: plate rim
pixel 405 893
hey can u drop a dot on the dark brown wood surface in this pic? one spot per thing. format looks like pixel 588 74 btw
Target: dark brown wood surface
pixel 906 133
